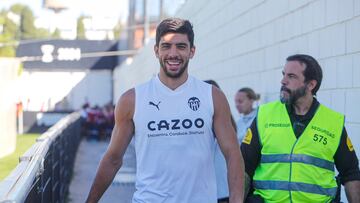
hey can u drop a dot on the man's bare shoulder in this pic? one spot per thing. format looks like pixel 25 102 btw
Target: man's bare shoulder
pixel 218 96
pixel 128 96
pixel 126 104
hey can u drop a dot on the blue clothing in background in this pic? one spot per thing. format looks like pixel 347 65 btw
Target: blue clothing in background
pixel 244 123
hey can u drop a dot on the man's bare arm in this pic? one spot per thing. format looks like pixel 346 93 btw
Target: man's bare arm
pixel 120 139
pixel 352 189
pixel 226 136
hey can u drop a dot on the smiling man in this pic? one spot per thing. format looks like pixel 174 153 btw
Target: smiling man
pixel 293 146
pixel 173 118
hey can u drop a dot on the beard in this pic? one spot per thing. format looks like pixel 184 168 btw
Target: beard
pixel 294 95
pixel 173 75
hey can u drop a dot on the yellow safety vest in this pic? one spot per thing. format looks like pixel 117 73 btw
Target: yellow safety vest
pixel 297 170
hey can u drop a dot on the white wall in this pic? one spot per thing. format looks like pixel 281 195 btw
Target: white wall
pixel 8 75
pixel 96 88
pixel 245 43
pixel 43 90
pixel 135 71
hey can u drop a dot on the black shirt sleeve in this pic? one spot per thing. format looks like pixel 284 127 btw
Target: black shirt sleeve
pixel 346 161
pixel 251 151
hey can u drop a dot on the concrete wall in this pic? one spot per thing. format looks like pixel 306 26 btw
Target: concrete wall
pixel 8 75
pixel 245 43
pixel 43 91
pixel 96 88
pixel 135 71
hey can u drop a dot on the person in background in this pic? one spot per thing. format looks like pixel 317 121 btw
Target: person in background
pixel 244 101
pixel 84 116
pixel 108 112
pixel 294 144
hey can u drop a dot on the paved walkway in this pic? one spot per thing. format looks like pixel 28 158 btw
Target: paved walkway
pixel 86 163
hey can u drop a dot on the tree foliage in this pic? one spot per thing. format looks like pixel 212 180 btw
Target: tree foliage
pixel 17 24
pixel 118 30
pixel 27 27
pixel 80 28
pixel 56 34
pixel 7 37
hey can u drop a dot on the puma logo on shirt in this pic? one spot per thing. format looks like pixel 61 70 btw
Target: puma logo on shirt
pixel 156 105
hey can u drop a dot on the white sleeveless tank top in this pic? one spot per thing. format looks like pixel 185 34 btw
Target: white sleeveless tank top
pixel 174 143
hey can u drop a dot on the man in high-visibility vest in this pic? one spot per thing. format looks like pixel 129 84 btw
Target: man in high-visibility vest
pixel 293 146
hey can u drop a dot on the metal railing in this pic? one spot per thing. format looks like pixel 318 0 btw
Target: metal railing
pixel 44 171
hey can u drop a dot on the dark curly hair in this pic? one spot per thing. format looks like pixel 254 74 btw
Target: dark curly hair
pixel 175 25
pixel 312 69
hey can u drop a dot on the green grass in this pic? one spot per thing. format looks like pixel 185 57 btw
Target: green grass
pixel 9 162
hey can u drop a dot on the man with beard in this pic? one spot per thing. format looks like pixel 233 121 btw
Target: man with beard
pixel 173 118
pixel 292 146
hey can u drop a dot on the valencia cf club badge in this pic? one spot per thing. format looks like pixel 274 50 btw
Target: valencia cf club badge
pixel 194 103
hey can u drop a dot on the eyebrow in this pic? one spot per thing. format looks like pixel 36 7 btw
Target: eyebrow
pixel 181 43
pixel 290 74
pixel 176 44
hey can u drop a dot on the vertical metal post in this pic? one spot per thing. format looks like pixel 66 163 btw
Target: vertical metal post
pixel 146 23
pixel 161 10
pixel 131 24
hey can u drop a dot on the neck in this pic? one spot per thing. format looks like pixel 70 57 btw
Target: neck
pixel 302 105
pixel 173 83
pixel 248 112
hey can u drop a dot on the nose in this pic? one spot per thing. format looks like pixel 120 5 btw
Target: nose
pixel 283 81
pixel 173 51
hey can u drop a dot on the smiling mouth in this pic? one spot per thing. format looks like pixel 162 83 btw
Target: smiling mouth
pixel 173 63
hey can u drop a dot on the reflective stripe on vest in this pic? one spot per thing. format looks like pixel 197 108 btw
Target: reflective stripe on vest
pixel 301 187
pixel 297 169
pixel 301 158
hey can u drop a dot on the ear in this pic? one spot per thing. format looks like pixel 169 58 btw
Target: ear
pixel 192 51
pixel 156 50
pixel 311 84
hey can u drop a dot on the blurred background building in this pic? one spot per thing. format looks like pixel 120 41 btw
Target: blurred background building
pixel 8 76
pixel 66 52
